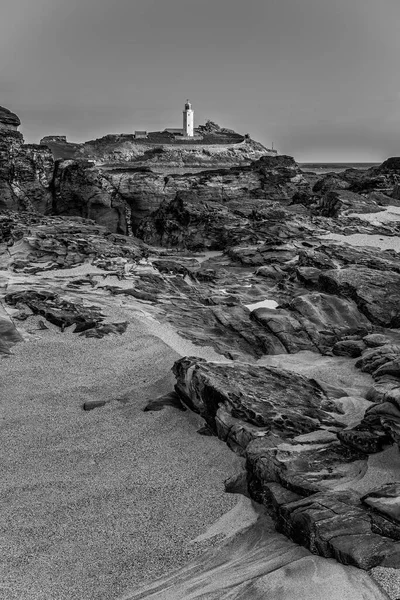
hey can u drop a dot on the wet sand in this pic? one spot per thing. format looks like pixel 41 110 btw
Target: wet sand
pixel 96 502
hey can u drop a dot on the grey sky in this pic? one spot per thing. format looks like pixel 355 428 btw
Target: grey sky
pixel 317 77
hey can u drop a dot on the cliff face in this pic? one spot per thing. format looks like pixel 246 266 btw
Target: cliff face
pixel 26 174
pixel 120 198
pixel 79 189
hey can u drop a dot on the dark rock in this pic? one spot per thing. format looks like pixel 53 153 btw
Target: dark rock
pixel 351 348
pixel 56 310
pixel 26 173
pixel 206 430
pixel 187 222
pixel 8 120
pixel 335 525
pixel 329 205
pixel 294 336
pixel 120 197
pixel 228 329
pixel 101 330
pixel 80 189
pixel 303 468
pixel 57 243
pixel 374 292
pixel 92 404
pixel 274 496
pixel 265 397
pixel 377 357
pixel 271 272
pixel 383 178
pixel 135 293
pixel 330 182
pixel 335 203
pixel 366 441
pixel 304 198
pixel 312 322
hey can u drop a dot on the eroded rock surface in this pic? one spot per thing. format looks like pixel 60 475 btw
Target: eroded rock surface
pixel 26 174
pixel 289 432
pixel 267 284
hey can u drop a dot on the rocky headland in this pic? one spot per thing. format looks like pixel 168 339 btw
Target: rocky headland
pixel 212 147
pixel 273 295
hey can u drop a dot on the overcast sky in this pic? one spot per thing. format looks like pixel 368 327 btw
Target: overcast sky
pixel 319 78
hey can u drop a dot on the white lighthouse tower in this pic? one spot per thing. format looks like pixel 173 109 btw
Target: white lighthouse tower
pixel 188 120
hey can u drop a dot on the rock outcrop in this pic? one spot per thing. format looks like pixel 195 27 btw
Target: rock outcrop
pixel 289 432
pixel 358 190
pixel 26 174
pixel 8 120
pixel 120 197
pixel 215 148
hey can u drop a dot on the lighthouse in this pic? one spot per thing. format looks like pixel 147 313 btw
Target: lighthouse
pixel 188 120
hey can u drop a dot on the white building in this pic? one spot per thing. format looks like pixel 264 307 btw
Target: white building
pixel 188 120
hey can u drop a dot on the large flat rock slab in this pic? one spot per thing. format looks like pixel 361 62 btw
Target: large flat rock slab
pixel 280 401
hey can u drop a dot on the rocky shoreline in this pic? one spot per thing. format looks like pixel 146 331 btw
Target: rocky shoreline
pixel 305 389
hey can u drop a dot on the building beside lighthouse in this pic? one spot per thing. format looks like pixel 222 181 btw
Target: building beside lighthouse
pixel 188 120
pixel 188 131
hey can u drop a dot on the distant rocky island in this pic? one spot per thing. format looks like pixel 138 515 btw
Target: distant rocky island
pixel 273 295
pixel 205 146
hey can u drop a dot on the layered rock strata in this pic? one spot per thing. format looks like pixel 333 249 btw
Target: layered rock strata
pixel 26 174
pixel 288 430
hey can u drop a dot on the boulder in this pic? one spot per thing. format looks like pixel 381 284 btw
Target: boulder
pixel 266 397
pixel 350 348
pixel 375 340
pixel 56 310
pixel 8 120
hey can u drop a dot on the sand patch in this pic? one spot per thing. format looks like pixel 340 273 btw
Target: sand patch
pixel 96 502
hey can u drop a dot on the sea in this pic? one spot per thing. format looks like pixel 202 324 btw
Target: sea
pixel 334 167
pixel 318 168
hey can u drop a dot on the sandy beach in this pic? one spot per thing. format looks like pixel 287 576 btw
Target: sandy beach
pixel 96 502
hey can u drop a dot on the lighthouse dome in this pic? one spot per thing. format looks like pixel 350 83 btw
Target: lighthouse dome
pixel 188 105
